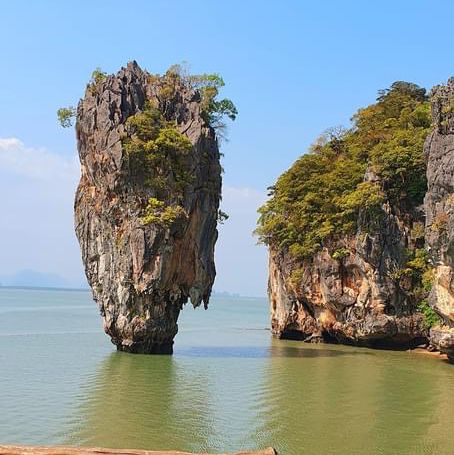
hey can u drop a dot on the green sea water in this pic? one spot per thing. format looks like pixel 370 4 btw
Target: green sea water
pixel 229 386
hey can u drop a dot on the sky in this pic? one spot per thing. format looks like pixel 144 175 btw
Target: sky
pixel 293 69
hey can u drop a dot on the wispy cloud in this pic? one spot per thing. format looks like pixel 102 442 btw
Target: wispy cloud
pixel 36 229
pixel 37 163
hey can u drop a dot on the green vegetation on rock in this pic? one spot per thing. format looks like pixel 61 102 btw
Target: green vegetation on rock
pixel 157 212
pixel 208 86
pixel 431 318
pixel 320 197
pixel 66 116
pixel 157 153
pixel 97 76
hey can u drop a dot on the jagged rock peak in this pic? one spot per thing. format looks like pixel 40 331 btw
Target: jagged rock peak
pixel 147 203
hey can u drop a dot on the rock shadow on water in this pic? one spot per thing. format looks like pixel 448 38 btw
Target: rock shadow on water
pixel 260 352
pixel 143 401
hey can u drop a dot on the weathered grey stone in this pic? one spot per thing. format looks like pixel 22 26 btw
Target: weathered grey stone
pixel 141 275
pixel 439 207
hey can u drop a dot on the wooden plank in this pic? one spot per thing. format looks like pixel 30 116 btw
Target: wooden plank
pixel 57 450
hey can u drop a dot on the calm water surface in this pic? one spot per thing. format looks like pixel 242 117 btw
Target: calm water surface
pixel 228 387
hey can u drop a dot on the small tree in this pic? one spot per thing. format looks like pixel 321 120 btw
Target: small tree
pixel 66 116
pixel 208 85
pixel 97 76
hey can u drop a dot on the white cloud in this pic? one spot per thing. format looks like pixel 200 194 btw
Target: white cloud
pixel 36 163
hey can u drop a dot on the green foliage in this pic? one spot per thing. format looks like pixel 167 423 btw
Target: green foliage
pixel 417 231
pixel 155 149
pixel 98 76
pixel 208 85
pixel 157 212
pixel 418 261
pixel 440 222
pixel 419 271
pixel 340 254
pixel 431 318
pixel 295 278
pixel 417 267
pixel 222 217
pixel 66 116
pixel 321 196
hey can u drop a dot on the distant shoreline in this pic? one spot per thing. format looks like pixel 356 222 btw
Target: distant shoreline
pixel 218 295
pixel 44 288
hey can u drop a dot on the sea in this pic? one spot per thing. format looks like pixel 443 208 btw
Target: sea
pixel 229 386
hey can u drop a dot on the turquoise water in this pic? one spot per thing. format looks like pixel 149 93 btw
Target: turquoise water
pixel 229 386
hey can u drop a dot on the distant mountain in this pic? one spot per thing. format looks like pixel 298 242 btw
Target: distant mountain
pixel 225 294
pixel 34 278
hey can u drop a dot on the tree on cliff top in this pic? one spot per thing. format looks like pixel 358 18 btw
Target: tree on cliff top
pixel 207 85
pixel 319 198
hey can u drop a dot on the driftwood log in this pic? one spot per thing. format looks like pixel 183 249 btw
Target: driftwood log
pixel 31 450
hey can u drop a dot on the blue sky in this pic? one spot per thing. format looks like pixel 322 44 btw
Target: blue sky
pixel 293 68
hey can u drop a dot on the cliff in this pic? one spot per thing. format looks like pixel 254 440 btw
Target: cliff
pixel 345 231
pixel 147 203
pixel 354 297
pixel 439 207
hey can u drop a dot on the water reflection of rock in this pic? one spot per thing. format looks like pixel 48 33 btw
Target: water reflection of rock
pixel 144 402
pixel 302 399
pixel 348 400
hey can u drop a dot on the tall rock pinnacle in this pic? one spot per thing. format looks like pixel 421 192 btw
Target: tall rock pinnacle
pixel 439 208
pixel 147 203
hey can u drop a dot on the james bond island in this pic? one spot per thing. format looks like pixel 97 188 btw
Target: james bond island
pixel 360 229
pixel 147 204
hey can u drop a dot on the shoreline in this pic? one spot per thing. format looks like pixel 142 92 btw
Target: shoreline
pixel 423 351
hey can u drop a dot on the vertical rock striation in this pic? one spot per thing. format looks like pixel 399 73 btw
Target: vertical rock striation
pixel 142 273
pixel 439 207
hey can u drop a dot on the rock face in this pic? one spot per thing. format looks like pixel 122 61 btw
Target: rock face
pixel 359 289
pixel 353 297
pixel 439 207
pixel 142 274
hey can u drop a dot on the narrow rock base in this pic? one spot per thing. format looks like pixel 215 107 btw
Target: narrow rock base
pixel 147 348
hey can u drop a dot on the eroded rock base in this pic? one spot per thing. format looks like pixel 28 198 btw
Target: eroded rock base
pixel 147 348
pixel 442 338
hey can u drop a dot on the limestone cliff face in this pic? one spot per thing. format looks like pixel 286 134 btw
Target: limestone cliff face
pixel 354 297
pixel 439 207
pixel 142 274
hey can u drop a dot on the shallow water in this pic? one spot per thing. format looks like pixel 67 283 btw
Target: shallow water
pixel 229 386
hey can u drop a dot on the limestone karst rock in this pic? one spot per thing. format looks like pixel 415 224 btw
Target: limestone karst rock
pixel 439 208
pixel 147 204
pixel 353 299
pixel 345 230
pixel 390 282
